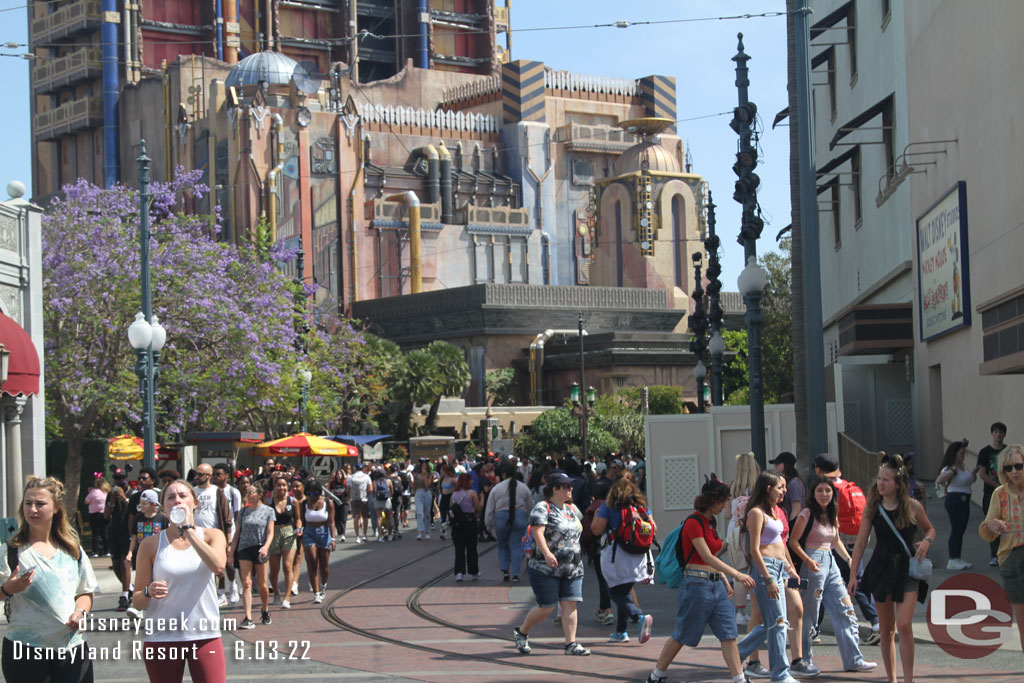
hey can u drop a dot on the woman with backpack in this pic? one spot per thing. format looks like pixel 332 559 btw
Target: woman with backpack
pixel 625 558
pixel 555 562
pixel 705 596
pixel 465 506
pixel 736 533
pixel 591 545
pixel 287 524
pixel 958 482
pixel 447 484
pixel 815 535
pixel 506 516
pixel 317 514
pixel 895 518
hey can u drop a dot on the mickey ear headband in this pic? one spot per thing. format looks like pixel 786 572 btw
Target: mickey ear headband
pixel 243 473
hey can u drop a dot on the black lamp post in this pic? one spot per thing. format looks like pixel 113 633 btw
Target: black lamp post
pixel 581 409
pixel 753 278
pixel 699 327
pixel 716 345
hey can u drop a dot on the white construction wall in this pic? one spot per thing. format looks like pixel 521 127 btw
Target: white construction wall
pixel 682 449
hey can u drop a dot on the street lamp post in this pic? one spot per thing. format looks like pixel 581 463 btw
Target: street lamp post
pixel 584 421
pixel 145 334
pixel 752 279
pixel 306 376
pixel 716 345
pixel 699 327
pixel 581 405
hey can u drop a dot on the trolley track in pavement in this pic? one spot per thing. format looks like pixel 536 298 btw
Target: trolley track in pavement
pixel 412 603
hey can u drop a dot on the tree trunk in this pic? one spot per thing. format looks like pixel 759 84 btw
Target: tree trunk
pixel 799 364
pixel 72 475
pixel 432 415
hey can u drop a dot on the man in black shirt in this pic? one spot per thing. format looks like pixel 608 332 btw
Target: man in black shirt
pixel 988 459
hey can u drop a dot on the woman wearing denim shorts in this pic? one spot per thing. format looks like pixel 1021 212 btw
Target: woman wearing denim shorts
pixel 705 596
pixel 317 543
pixel 772 569
pixel 556 563
pixel 815 535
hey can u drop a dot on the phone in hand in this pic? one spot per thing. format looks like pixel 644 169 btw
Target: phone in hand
pixel 796 583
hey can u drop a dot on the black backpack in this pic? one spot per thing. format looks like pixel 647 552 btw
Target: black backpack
pixel 457 516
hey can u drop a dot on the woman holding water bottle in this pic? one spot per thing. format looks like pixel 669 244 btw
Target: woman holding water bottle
pixel 175 570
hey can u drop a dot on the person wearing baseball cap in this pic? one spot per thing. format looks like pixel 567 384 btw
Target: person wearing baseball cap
pixel 150 522
pixel 796 492
pixel 826 466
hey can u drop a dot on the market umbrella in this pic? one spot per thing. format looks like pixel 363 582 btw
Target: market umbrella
pixel 302 444
pixel 126 447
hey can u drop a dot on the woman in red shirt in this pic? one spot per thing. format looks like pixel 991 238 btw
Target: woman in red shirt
pixel 705 595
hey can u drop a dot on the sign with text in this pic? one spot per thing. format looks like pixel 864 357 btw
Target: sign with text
pixel 943 281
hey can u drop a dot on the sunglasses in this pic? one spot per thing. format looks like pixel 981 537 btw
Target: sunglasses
pixel 1015 466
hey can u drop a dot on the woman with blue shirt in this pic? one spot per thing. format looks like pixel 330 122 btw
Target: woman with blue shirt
pixel 49 590
pixel 622 569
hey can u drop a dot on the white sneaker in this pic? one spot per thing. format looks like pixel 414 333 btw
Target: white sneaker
pixel 864 666
pixel 427 537
pixel 285 604
pixel 358 540
pixel 458 577
pixel 234 597
pixel 956 564
pixel 222 600
pixel 380 539
pixel 419 536
pixel 295 588
pixel 341 539
pixel 742 619
pixel 318 598
pixel 364 538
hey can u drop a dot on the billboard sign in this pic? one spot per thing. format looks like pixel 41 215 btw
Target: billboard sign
pixel 943 280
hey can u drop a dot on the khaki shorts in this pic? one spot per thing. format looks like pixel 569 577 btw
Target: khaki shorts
pixel 284 539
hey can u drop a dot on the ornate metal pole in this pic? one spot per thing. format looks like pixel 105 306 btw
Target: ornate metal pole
pixel 716 344
pixel 743 122
pixel 699 327
pixel 585 420
pixel 146 363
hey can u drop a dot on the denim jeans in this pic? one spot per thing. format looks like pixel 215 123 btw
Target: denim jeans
pixel 827 586
pixel 627 611
pixel 510 539
pixel 424 504
pixel 864 601
pixel 774 625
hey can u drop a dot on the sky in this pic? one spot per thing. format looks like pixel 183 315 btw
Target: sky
pixel 697 53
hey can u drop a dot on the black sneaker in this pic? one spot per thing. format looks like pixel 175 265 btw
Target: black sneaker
pixel 504 577
pixel 265 620
pixel 247 623
pixel 652 679
pixel 122 604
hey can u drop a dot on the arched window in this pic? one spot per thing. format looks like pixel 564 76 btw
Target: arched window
pixel 618 238
pixel 678 241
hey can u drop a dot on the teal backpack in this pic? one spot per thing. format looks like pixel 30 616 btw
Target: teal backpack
pixel 669 563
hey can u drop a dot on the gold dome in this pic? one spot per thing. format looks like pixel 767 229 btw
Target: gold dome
pixel 661 160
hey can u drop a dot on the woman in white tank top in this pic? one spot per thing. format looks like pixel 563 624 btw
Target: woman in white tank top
pixel 175 570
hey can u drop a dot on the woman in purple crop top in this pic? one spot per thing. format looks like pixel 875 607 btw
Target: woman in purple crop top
pixel 815 535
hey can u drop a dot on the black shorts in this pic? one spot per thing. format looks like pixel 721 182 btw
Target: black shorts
pixel 250 554
pixel 120 545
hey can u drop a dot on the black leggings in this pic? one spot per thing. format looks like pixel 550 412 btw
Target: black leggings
pixel 25 666
pixel 604 597
pixel 98 526
pixel 464 538
pixel 958 507
pixel 341 518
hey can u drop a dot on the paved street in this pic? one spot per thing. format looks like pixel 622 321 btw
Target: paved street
pixel 393 613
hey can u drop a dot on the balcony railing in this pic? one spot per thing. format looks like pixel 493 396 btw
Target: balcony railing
pixel 67 118
pixel 80 65
pixel 66 21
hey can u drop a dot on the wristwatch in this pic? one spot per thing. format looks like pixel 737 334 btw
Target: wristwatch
pixel 145 591
pixel 84 612
pixel 183 527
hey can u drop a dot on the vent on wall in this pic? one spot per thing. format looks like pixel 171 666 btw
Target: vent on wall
pixel 680 477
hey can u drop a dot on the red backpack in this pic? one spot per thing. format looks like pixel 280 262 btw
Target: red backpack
pixel 851 507
pixel 635 533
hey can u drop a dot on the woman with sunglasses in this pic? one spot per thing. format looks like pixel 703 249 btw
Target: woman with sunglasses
pixel 887 574
pixel 555 564
pixel 1005 522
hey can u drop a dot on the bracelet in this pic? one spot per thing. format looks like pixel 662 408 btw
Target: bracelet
pixel 145 591
pixel 4 591
pixel 930 540
pixel 84 612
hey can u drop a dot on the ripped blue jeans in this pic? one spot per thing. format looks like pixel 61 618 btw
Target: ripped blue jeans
pixel 774 625
pixel 827 585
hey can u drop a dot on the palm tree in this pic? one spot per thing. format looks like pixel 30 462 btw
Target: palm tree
pixel 416 381
pixel 454 375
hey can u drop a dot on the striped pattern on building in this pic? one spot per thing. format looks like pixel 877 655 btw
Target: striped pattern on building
pixel 658 95
pixel 522 91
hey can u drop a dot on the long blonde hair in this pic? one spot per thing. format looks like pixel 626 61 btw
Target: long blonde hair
pixel 62 534
pixel 746 475
pixel 904 518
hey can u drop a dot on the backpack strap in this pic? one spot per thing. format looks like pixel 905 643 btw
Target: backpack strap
pixel 679 543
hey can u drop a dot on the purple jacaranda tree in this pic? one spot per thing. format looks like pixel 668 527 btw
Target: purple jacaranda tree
pixel 229 316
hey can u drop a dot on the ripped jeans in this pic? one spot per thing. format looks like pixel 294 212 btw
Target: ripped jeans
pixel 827 585
pixel 774 625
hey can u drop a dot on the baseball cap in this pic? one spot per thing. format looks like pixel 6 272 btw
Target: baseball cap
pixel 149 495
pixel 828 464
pixel 784 457
pixel 558 479
pixel 601 468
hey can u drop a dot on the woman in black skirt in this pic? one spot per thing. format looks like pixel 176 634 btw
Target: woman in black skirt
pixel 886 576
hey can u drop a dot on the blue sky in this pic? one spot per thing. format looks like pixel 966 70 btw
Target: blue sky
pixel 698 54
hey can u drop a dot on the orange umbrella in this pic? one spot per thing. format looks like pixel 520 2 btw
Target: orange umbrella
pixel 302 444
pixel 127 447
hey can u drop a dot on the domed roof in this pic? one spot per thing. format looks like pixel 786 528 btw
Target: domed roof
pixel 23 365
pixel 661 160
pixel 273 67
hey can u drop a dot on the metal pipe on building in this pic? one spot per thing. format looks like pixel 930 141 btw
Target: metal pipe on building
pixel 270 24
pixel 433 184
pixel 353 29
pixel 537 360
pixel 231 42
pixel 273 174
pixel 415 269
pixel 446 182
pixel 220 29
pixel 352 213
pixel 126 30
pixel 167 120
pixel 111 95
pixel 424 22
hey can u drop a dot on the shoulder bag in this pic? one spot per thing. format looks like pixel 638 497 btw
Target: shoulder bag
pixel 918 569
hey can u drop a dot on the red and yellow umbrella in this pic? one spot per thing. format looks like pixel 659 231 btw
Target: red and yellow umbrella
pixel 301 444
pixel 127 447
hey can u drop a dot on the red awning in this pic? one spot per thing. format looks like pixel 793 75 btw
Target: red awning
pixel 23 365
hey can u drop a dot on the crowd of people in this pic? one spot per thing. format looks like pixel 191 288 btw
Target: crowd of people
pixel 792 552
